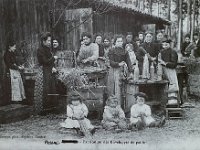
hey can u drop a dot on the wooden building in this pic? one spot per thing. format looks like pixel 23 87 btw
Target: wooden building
pixel 25 20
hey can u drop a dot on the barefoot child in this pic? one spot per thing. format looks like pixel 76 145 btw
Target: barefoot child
pixel 141 114
pixel 113 116
pixel 77 112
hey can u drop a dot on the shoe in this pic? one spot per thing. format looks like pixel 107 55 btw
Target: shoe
pixel 162 121
pixel 93 131
pixel 79 132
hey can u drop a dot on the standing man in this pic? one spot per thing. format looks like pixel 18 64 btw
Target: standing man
pixel 46 60
pixel 168 59
pixel 197 42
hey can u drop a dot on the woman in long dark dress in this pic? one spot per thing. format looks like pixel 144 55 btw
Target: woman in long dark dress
pixel 46 60
pixel 119 61
pixel 14 90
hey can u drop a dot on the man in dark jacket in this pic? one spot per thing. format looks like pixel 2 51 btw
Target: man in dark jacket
pixel 168 59
pixel 197 42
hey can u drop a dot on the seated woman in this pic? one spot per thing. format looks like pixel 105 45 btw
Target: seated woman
pixel 89 52
pixel 113 116
pixel 141 114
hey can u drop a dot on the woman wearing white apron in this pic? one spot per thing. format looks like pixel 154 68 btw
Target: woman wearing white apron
pixel 15 88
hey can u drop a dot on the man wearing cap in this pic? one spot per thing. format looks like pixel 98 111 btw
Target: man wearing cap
pixel 168 59
pixel 197 43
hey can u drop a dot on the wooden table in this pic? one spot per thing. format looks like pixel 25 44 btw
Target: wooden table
pixel 155 90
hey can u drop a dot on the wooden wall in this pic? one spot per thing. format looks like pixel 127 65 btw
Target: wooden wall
pixel 117 23
pixel 22 20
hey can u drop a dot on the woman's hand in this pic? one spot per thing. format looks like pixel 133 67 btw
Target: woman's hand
pixel 55 57
pixel 21 67
pixel 54 70
pixel 162 62
pixel 84 61
pixel 122 63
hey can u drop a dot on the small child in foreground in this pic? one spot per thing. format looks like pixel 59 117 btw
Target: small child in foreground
pixel 141 114
pixel 113 116
pixel 77 112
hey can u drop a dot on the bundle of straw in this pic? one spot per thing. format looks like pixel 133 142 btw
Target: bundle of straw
pixel 72 78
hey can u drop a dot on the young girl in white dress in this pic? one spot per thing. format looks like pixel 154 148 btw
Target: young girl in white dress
pixel 77 113
pixel 141 114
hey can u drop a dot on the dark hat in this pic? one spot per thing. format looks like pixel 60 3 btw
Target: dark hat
pixel 166 41
pixel 136 39
pixel 141 94
pixel 187 35
pixel 74 96
pixel 129 33
pixel 196 33
pixel 140 32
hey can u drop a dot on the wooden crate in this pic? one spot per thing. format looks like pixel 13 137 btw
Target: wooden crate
pixel 174 113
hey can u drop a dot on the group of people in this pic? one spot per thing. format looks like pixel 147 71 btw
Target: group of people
pixel 113 116
pixel 121 55
pixel 15 59
pixel 191 48
pixel 124 55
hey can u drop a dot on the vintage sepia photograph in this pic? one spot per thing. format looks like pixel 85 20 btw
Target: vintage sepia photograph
pixel 99 74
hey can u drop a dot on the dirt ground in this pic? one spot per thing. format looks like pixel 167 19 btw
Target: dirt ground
pixel 44 132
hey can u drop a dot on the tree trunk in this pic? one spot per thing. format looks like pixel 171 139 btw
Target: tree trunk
pixel 169 18
pixel 193 20
pixel 188 16
pixel 179 25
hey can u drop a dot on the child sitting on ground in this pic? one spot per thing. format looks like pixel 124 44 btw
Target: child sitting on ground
pixel 77 112
pixel 113 115
pixel 141 114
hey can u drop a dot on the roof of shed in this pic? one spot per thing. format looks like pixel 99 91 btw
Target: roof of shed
pixel 114 6
pixel 130 8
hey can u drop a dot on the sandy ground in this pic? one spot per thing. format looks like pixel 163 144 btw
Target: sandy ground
pixel 43 132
